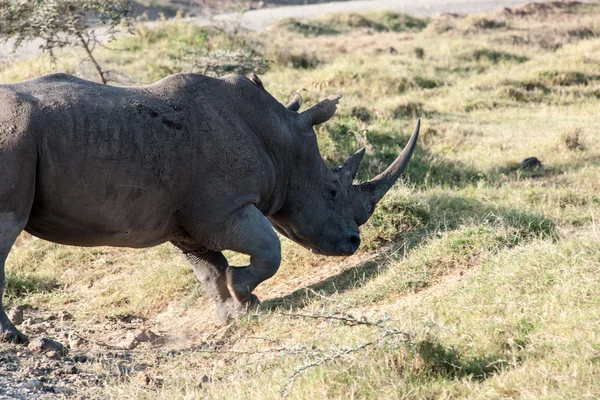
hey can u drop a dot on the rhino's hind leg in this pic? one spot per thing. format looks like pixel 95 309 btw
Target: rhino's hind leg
pixel 17 187
pixel 9 230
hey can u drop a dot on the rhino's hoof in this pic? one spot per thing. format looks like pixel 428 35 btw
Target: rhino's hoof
pixel 239 292
pixel 12 335
pixel 230 309
pixel 253 301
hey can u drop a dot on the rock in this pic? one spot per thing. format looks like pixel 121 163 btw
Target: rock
pixel 45 345
pixel 70 369
pixel 531 163
pixel 16 315
pixel 64 316
pixel 63 390
pixel 33 384
pixel 80 358
pixel 143 378
pixel 53 354
pixel 75 342
pixel 135 338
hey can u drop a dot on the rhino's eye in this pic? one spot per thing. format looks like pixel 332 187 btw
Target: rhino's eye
pixel 333 193
pixel 371 207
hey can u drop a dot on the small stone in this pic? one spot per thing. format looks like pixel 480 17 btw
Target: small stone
pixel 80 358
pixel 135 338
pixel 63 390
pixel 531 163
pixel 44 345
pixel 64 316
pixel 16 315
pixel 33 384
pixel 142 378
pixel 53 354
pixel 75 342
pixel 70 369
pixel 146 335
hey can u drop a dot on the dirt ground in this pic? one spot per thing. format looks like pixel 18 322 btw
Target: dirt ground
pixel 119 346
pixel 83 355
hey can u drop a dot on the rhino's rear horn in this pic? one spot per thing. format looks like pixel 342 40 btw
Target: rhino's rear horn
pixel 322 111
pixel 295 103
pixel 349 168
pixel 378 186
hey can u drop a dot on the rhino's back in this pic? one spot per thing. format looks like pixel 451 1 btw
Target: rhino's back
pixel 115 164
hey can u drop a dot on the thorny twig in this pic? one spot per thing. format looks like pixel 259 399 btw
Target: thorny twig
pixel 345 318
pixel 350 321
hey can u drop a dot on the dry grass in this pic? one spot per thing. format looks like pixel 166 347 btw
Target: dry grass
pixel 493 270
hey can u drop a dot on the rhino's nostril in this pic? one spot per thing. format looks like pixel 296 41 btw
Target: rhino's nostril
pixel 354 240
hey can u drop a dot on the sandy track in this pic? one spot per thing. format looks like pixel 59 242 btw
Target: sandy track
pixel 258 20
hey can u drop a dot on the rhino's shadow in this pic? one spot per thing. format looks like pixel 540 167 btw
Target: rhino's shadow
pixel 457 211
pixel 451 211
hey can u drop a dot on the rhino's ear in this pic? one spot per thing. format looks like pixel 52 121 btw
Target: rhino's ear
pixel 295 103
pixel 322 111
pixel 347 171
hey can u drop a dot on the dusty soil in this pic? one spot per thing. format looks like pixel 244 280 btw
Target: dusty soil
pixel 89 354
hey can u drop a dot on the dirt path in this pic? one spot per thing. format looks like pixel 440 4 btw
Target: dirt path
pixel 258 20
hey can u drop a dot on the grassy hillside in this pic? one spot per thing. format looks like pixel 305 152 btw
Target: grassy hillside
pixel 477 278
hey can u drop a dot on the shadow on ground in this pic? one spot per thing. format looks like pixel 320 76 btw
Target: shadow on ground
pixel 450 212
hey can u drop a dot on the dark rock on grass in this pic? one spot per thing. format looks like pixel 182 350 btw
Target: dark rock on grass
pixel 531 163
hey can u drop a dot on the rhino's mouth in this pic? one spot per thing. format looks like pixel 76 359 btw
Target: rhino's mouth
pixel 289 233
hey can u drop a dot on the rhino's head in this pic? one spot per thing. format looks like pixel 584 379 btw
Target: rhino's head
pixel 323 208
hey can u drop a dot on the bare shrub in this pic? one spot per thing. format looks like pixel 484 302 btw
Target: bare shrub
pixel 61 23
pixel 223 62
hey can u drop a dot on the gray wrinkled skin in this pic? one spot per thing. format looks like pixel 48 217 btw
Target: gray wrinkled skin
pixel 206 164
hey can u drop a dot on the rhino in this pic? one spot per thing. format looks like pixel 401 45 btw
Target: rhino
pixel 208 164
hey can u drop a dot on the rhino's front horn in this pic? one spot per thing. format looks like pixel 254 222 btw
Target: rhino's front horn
pixel 378 186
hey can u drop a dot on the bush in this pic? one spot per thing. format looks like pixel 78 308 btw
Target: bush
pixel 60 23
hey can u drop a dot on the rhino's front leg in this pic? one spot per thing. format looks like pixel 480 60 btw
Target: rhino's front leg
pixel 252 234
pixel 246 231
pixel 209 267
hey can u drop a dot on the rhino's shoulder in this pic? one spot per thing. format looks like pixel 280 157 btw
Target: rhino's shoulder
pixel 183 83
pixel 49 80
